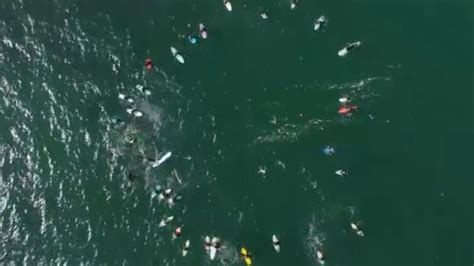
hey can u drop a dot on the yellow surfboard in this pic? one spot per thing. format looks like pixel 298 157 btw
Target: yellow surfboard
pixel 243 252
pixel 248 261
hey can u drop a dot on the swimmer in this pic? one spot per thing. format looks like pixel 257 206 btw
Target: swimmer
pixel 186 247
pixel 177 232
pixel 349 47
pixel 228 5
pixel 342 172
pixel 148 64
pixel 357 229
pixel 264 15
pixel 320 22
pixel 320 256
pixel 346 110
pixel 192 39
pixel 276 243
pixel 293 4
pixel 202 31
pixel 328 150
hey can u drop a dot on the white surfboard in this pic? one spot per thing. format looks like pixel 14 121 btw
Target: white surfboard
pixel 180 58
pixel 354 227
pixel 339 172
pixel 161 160
pixel 174 51
pixel 343 100
pixel 212 253
pixel 228 5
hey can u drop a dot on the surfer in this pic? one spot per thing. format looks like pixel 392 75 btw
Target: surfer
pixel 349 47
pixel 148 64
pixel 328 150
pixel 202 31
pixel 207 244
pixel 342 172
pixel 177 232
pixel 276 243
pixel 177 55
pixel 228 5
pixel 320 22
pixel 345 110
pixel 166 194
pixel 166 221
pixel 357 229
pixel 135 112
pixel 293 4
pixel 131 177
pixel 186 247
pixel 214 247
pixel 246 255
pixel 320 256
pixel 142 89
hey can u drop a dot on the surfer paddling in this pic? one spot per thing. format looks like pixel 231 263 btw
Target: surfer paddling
pixel 342 172
pixel 320 22
pixel 276 243
pixel 186 247
pixel 357 229
pixel 202 31
pixel 348 48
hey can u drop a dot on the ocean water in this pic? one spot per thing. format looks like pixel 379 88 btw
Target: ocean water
pixel 246 119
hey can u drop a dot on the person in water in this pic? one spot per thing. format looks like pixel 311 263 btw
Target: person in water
pixel 177 232
pixel 192 39
pixel 202 31
pixel 351 47
pixel 148 64
pixel 293 3
pixel 131 177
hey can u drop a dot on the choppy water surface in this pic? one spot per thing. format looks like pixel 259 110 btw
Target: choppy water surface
pixel 246 119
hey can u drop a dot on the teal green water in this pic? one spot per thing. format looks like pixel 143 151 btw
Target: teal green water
pixel 256 95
